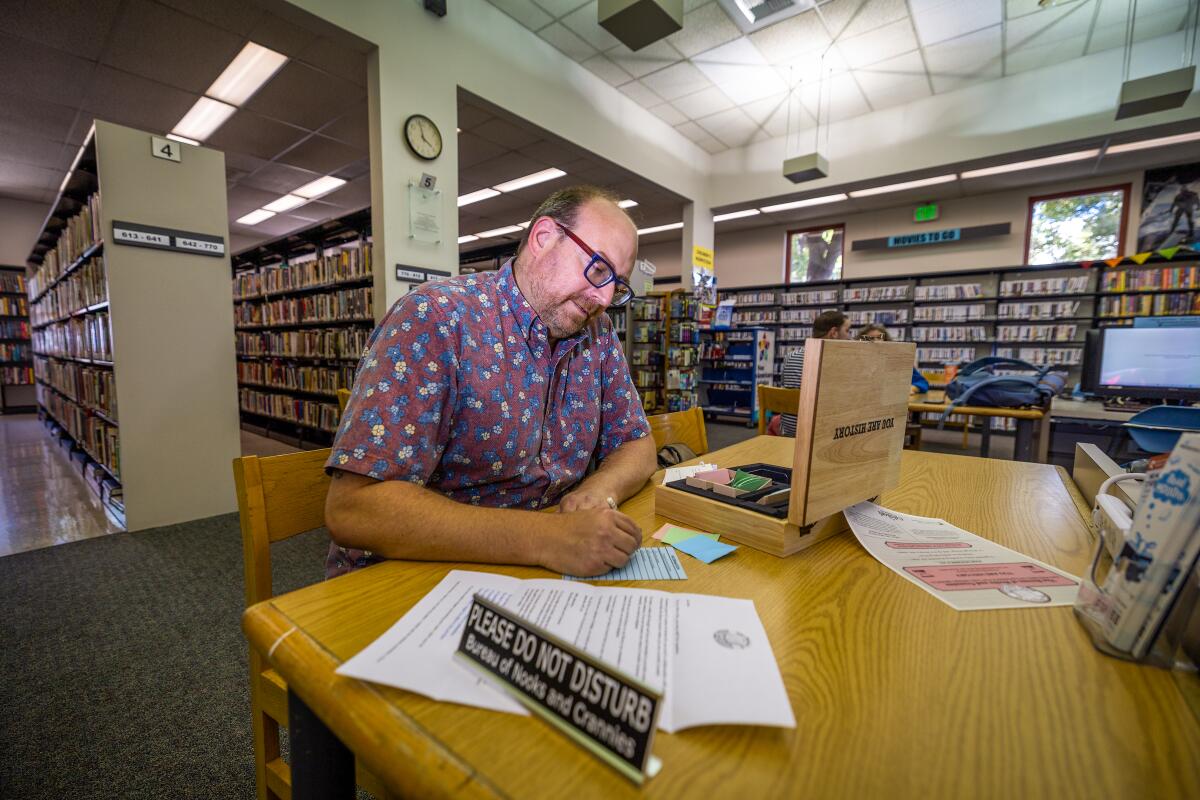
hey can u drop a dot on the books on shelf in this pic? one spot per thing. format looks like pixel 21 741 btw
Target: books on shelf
pixel 83 288
pixel 945 355
pixel 77 337
pixel 873 294
pixel 756 317
pixel 1035 311
pixel 12 281
pixel 13 306
pixel 814 297
pixel 14 329
pixel 959 313
pixel 310 413
pixel 96 437
pixel 296 377
pixel 1077 284
pixel 92 387
pixel 345 343
pixel 1150 279
pixel 1158 305
pixel 329 267
pixel 1042 356
pixel 15 352
pixel 796 333
pixel 16 376
pixel 959 333
pixel 949 291
pixel 1036 333
pixel 81 232
pixel 886 316
pixel 754 298
pixel 808 315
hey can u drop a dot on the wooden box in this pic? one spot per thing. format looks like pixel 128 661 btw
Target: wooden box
pixel 849 434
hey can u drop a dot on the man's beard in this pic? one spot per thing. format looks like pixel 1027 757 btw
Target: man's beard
pixel 563 323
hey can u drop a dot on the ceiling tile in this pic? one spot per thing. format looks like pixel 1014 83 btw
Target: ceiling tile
pixel 692 131
pixel 27 176
pixel 1148 26
pixel 353 170
pixel 1019 8
pixel 30 194
pixel 840 99
pixel 469 116
pixel 741 71
pixel 316 211
pixel 58 24
pixel 640 94
pixel 549 153
pixel 567 42
pixel 255 135
pixel 525 12
pixel 1113 12
pixel 321 154
pixel 279 178
pixel 244 199
pixel 1049 25
pixel 583 22
pixel 135 101
pixel 242 162
pixel 1035 55
pixel 761 110
pixel 164 45
pixel 350 128
pixel 668 113
pixel 506 167
pixel 880 44
pixel 874 14
pixel 506 134
pixel 939 20
pixel 789 115
pixel 332 57
pixel 354 195
pixel 474 150
pixel 560 8
pixel 28 69
pixel 733 127
pixel 237 16
pixel 300 95
pixel 704 29
pixel 838 13
pixel 702 103
pixel 607 70
pixel 650 58
pixel 711 145
pixel 969 59
pixel 785 40
pixel 38 151
pixel 282 36
pixel 895 81
pixel 676 81
pixel 50 121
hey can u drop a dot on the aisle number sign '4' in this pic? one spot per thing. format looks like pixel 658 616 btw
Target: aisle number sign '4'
pixel 165 148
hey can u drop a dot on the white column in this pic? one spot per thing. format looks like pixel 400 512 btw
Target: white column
pixel 697 232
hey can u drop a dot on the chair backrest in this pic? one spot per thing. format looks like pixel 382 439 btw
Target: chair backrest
pixel 343 398
pixel 278 497
pixel 680 426
pixel 777 400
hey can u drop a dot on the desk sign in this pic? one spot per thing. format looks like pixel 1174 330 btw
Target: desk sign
pixel 131 233
pixel 609 713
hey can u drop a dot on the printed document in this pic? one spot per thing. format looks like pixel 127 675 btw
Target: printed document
pixel 964 571
pixel 686 645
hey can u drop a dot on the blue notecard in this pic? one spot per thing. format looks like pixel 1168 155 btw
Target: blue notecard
pixel 703 548
pixel 646 564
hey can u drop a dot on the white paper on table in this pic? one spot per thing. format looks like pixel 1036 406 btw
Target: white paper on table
pixel 631 629
pixel 965 571
pixel 680 473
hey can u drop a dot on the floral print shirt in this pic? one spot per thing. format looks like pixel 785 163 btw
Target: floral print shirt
pixel 461 391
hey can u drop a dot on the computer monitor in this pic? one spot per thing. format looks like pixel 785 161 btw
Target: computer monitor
pixel 1159 363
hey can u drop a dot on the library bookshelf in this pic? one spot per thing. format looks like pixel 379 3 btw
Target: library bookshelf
pixel 302 314
pixel 16 355
pixel 131 361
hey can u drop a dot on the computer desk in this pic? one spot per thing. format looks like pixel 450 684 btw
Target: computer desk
pixel 895 694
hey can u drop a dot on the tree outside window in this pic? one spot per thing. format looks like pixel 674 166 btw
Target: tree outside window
pixel 815 254
pixel 1076 227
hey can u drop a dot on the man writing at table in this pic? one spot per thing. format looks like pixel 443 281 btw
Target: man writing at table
pixel 483 398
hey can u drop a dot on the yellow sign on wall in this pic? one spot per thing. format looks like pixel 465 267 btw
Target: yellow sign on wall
pixel 702 258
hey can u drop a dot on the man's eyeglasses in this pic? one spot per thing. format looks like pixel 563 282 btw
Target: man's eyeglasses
pixel 599 272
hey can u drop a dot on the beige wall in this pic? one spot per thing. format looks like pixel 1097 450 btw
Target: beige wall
pixel 20 222
pixel 756 256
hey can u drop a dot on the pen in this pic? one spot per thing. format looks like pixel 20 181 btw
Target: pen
pixel 611 503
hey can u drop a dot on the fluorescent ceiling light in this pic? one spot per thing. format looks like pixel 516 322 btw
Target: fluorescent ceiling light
pixel 1146 144
pixel 812 201
pixel 319 187
pixel 659 228
pixel 627 204
pixel 499 231
pixel 475 197
pixel 467 238
pixel 246 74
pixel 1034 164
pixel 285 203
pixel 900 187
pixel 746 212
pixel 203 119
pixel 66 179
pixel 530 180
pixel 176 137
pixel 255 217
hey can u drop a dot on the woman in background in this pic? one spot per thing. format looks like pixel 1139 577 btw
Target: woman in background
pixel 874 332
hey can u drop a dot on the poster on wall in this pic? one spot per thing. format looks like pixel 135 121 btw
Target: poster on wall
pixel 704 275
pixel 1170 207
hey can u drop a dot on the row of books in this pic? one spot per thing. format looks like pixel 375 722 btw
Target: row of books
pixel 1145 280
pixel 646 309
pixel 13 306
pixel 644 357
pixel 12 281
pixel 799 333
pixel 311 413
pixel 683 356
pixel 318 343
pixel 949 291
pixel 299 377
pixel 681 379
pixel 889 316
pixel 1044 310
pixel 645 334
pixel 16 376
pixel 801 314
pixel 645 377
pixel 343 305
pixel 685 333
pixel 758 317
pixel 91 387
pixel 1041 356
pixel 78 337
pixel 82 231
pixel 14 329
pixel 962 313
pixel 682 401
pixel 754 298
pixel 872 294
pixel 813 298
pixel 1077 284
pixel 964 333
pixel 1150 305
pixel 331 266
pixel 83 288
pixel 15 352
pixel 945 355
pixel 98 438
pixel 1036 333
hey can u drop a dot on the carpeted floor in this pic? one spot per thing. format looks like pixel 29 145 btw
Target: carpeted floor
pixel 124 666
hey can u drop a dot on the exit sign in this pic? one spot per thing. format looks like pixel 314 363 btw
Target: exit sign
pixel 925 213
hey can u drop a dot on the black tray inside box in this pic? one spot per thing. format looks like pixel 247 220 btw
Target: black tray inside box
pixel 780 477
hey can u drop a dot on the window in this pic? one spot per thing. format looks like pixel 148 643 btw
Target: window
pixel 1077 226
pixel 815 254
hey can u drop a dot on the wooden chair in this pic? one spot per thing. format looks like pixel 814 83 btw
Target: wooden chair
pixel 777 400
pixel 278 497
pixel 680 427
pixel 343 398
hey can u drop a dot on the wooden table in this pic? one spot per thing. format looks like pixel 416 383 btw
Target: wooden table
pixel 895 694
pixel 1030 422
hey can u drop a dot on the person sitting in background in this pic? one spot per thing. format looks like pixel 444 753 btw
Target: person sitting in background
pixel 827 325
pixel 874 332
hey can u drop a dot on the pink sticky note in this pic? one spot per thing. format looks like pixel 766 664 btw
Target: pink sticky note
pixel 721 476
pixel 658 534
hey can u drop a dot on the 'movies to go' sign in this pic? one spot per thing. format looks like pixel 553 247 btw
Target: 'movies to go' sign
pixel 611 714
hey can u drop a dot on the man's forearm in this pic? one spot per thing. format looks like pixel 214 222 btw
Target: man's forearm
pixel 624 471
